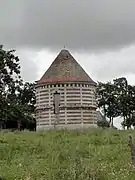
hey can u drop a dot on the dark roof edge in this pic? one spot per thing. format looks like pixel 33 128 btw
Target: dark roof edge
pixel 66 82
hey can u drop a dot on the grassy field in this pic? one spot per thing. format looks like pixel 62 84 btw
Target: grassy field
pixel 62 155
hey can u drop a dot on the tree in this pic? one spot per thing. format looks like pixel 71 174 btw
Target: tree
pixel 22 108
pixel 17 99
pixel 101 97
pixel 117 99
pixel 9 79
pixel 107 100
pixel 122 92
pixel 27 100
pixel 27 95
pixel 126 100
pixel 103 124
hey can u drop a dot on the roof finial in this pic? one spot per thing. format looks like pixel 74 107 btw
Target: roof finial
pixel 64 47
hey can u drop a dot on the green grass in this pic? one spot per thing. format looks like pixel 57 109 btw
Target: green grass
pixel 63 155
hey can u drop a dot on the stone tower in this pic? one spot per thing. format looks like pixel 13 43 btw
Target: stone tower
pixel 77 98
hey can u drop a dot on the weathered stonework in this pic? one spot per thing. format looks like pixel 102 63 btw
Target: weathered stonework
pixel 77 98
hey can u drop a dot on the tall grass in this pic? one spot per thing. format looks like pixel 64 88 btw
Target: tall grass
pixel 66 155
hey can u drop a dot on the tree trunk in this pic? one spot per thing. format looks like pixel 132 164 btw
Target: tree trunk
pixel 19 125
pixel 4 125
pixel 112 122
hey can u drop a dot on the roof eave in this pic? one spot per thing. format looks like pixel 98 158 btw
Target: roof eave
pixel 40 83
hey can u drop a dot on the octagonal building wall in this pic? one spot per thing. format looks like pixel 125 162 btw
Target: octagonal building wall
pixel 77 105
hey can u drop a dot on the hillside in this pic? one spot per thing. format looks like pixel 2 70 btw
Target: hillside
pixel 62 155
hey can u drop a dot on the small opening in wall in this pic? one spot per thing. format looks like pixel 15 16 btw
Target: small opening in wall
pixel 54 85
pixel 58 85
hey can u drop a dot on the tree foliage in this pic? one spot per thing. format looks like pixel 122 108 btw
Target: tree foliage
pixel 117 99
pixel 17 99
pixel 103 124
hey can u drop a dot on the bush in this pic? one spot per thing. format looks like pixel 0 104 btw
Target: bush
pixel 103 124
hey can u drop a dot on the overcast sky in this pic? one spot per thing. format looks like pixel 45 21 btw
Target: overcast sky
pixel 99 33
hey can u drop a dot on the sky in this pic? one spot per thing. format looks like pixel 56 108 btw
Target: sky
pixel 99 34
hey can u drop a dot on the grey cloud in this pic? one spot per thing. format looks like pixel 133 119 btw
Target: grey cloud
pixel 77 24
pixel 11 18
pixel 115 64
pixel 29 69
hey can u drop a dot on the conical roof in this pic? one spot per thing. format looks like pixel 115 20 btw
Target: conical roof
pixel 65 69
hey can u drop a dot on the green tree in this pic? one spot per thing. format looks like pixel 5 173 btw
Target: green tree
pixel 122 93
pixel 17 99
pixel 126 101
pixel 27 100
pixel 117 99
pixel 22 107
pixel 103 124
pixel 10 79
pixel 27 96
pixel 101 96
pixel 107 100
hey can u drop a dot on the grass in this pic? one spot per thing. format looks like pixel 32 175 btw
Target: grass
pixel 63 155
